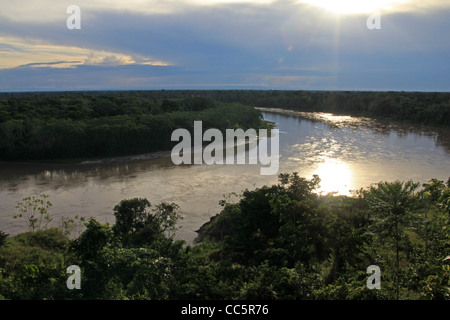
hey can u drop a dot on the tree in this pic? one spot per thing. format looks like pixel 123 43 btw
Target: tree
pixel 72 225
pixel 444 199
pixel 88 248
pixel 137 224
pixel 33 266
pixel 300 230
pixel 137 273
pixel 33 210
pixel 392 205
pixel 299 188
pixel 169 106
pixel 131 216
pixel 92 240
pixel 3 237
pixel 167 217
pixel 431 194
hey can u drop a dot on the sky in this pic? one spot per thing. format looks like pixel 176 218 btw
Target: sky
pixel 385 45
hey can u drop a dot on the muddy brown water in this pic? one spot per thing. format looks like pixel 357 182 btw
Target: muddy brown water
pixel 347 153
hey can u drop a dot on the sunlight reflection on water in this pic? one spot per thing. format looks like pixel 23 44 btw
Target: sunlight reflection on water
pixel 336 176
pixel 347 153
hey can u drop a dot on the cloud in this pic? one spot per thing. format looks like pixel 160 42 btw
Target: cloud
pixel 108 59
pixel 368 7
pixel 20 53
pixel 61 64
pixel 199 44
pixel 50 11
pixel 46 11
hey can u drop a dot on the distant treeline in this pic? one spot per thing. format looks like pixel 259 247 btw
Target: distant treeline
pixel 67 125
pixel 50 126
pixel 418 107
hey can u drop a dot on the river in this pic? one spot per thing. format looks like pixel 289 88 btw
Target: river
pixel 347 153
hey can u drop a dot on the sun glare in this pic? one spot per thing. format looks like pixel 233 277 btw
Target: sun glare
pixel 355 6
pixel 335 175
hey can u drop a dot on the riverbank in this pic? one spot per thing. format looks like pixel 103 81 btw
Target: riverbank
pixel 69 128
pixel 279 241
pixel 345 157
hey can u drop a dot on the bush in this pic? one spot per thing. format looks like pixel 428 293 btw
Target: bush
pixel 34 265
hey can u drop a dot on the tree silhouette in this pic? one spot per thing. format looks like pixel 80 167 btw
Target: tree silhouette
pixel 392 205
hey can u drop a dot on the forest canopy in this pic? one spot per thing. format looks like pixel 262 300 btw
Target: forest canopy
pixel 62 125
pixel 282 241
pixel 277 242
pixel 51 126
pixel 75 125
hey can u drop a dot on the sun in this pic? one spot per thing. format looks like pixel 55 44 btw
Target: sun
pixel 355 6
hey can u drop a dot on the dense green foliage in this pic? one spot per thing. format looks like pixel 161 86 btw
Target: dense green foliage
pixel 67 125
pixel 43 126
pixel 282 241
pixel 276 242
pixel 33 266
pixel 417 107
